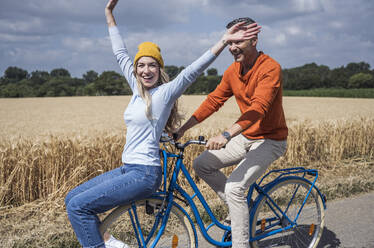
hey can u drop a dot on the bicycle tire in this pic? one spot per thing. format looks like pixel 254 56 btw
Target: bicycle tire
pixel 118 223
pixel 310 223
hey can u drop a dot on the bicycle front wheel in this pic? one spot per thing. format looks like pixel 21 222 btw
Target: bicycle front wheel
pixel 289 195
pixel 138 224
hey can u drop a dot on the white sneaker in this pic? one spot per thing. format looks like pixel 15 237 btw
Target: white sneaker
pixel 115 243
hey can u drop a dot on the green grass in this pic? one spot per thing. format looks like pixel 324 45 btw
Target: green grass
pixel 332 92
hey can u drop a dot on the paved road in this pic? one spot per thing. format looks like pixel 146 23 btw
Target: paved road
pixel 349 224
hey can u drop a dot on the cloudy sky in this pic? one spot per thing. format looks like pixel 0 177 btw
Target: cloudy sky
pixel 72 34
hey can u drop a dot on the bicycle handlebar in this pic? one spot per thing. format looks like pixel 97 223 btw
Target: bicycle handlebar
pixel 165 138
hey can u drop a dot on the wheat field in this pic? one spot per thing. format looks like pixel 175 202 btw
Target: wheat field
pixel 50 145
pixel 84 116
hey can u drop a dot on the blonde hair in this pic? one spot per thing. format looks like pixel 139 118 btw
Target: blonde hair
pixel 175 117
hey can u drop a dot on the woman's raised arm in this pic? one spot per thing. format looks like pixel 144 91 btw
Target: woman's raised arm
pixel 119 47
pixel 109 13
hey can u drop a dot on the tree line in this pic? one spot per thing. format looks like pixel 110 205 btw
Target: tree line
pixel 17 82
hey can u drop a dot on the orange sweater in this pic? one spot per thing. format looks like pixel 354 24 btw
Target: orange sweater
pixel 258 95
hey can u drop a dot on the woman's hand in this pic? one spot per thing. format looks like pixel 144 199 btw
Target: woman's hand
pixel 110 5
pixel 241 31
pixel 109 12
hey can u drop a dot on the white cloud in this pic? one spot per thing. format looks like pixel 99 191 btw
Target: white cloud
pixel 336 24
pixel 307 6
pixel 6 38
pixel 294 30
pixel 31 25
pixel 84 44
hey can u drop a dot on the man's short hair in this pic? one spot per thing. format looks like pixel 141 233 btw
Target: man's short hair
pixel 247 21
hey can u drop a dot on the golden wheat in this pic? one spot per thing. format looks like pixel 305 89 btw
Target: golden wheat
pixel 31 171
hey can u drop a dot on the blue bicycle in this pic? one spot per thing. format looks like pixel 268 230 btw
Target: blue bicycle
pixel 287 211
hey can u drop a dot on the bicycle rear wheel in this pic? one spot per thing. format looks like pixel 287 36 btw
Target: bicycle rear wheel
pixel 140 222
pixel 289 195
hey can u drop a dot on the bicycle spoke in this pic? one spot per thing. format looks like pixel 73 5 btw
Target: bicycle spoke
pixel 290 195
pixel 297 237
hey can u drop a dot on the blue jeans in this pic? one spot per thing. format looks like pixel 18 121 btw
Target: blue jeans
pixel 120 186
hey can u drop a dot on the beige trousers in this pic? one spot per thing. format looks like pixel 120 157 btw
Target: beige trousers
pixel 253 158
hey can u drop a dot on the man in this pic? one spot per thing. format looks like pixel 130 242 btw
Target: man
pixel 254 141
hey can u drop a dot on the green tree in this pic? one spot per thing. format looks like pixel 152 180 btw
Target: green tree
pixel 90 76
pixel 9 90
pixel 339 77
pixel 306 77
pixel 18 89
pixel 173 71
pixel 212 72
pixel 354 68
pixel 361 80
pixel 197 87
pixel 109 83
pixel 39 77
pixel 14 74
pixel 60 72
pixel 56 86
pixel 212 82
pixel 89 90
pixel 26 89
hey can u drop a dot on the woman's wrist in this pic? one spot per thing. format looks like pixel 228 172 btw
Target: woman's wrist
pixel 224 41
pixel 108 12
pixel 110 18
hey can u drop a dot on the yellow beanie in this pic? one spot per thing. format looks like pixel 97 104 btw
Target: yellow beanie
pixel 149 49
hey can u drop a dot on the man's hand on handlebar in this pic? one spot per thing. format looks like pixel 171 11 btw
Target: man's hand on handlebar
pixel 216 143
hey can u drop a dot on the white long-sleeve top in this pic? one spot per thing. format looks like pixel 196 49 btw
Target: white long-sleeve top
pixel 143 135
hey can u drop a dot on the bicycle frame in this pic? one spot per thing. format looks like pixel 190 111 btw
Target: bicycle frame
pixel 173 186
pixel 167 193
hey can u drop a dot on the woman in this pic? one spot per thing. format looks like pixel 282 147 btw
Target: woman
pixel 150 111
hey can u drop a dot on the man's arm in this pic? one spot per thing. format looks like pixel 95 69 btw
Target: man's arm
pixel 189 124
pixel 210 105
pixel 262 100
